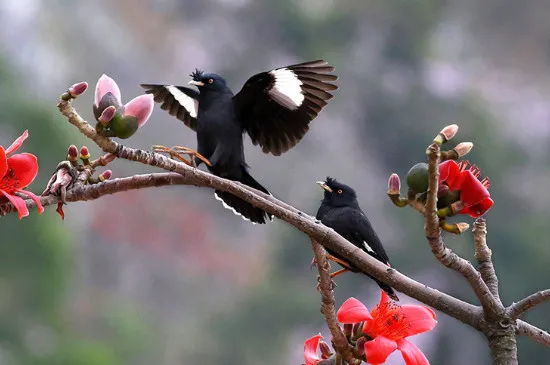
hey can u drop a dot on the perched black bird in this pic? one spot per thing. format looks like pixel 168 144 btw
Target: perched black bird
pixel 340 211
pixel 274 108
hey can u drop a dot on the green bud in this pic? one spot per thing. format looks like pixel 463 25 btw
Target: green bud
pixel 417 178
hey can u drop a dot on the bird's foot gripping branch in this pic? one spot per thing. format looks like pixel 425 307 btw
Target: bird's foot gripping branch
pixel 441 188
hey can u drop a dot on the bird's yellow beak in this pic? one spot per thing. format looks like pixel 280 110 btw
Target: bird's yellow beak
pixel 324 186
pixel 196 83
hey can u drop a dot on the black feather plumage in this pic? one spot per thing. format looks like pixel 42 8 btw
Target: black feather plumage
pixel 340 211
pixel 273 107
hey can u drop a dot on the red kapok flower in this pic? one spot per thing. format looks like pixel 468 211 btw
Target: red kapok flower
pixel 388 325
pixel 464 177
pixel 16 173
pixel 107 93
pixel 310 350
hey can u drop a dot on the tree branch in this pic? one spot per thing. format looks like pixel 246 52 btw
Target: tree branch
pixel 527 303
pixel 447 257
pixel 326 285
pixel 185 175
pixel 534 333
pixel 91 192
pixel 483 256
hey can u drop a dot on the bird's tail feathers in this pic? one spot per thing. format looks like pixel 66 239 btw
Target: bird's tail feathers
pixel 240 207
pixel 388 289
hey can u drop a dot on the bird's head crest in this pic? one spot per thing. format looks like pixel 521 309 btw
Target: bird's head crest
pixel 196 75
pixel 330 181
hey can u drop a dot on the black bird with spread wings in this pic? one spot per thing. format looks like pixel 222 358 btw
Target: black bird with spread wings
pixel 340 211
pixel 274 108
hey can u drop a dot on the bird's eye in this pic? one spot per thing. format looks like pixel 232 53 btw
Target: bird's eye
pixel 210 81
pixel 340 191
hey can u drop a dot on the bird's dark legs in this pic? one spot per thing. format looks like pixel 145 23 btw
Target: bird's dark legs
pixel 176 152
pixel 336 273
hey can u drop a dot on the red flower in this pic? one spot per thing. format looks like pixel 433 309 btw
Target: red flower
pixel 465 178
pixel 388 325
pixel 310 350
pixel 16 173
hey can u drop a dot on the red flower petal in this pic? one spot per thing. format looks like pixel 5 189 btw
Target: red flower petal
pixel 353 311
pixel 474 195
pixel 417 319
pixel 378 350
pixel 35 199
pixel 140 107
pixel 3 162
pixel 310 350
pixel 60 211
pixel 18 203
pixel 477 210
pixel 411 354
pixel 105 85
pixel 448 173
pixel 22 169
pixel 17 143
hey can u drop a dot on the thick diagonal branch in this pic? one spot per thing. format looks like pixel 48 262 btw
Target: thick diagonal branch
pixel 529 302
pixel 444 254
pixel 339 340
pixel 483 256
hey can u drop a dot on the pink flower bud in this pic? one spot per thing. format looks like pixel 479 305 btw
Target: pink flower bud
pixel 72 153
pixel 463 148
pixel 106 175
pixel 140 107
pixel 78 89
pixel 325 350
pixel 84 153
pixel 107 115
pixel 105 85
pixel 449 131
pixel 394 185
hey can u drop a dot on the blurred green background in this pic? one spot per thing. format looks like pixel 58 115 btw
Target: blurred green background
pixel 167 276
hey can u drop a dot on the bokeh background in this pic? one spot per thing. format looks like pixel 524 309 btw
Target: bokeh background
pixel 167 276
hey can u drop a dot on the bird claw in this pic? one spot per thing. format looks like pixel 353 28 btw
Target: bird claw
pixel 176 153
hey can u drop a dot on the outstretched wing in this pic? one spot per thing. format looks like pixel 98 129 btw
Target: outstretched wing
pixel 179 101
pixel 276 107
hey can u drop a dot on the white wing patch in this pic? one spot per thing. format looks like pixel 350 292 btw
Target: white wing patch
pixel 190 104
pixel 287 89
pixel 367 247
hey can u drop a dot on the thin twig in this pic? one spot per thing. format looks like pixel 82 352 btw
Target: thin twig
pixel 326 285
pixel 483 255
pixel 534 333
pixel 529 302
pixel 443 253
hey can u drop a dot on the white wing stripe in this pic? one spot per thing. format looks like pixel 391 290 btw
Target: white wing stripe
pixel 367 247
pixel 287 89
pixel 190 104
